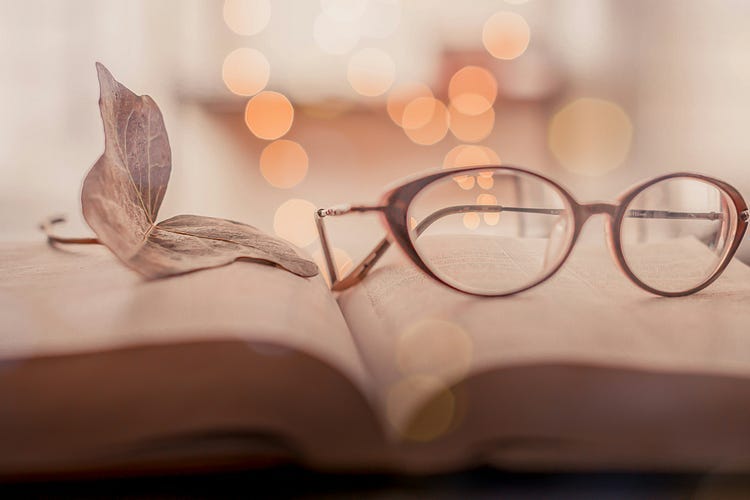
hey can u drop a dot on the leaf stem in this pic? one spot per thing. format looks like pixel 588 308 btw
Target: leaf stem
pixel 52 239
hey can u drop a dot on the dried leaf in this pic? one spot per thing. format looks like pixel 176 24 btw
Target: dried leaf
pixel 123 191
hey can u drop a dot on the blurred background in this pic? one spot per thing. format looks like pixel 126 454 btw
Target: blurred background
pixel 275 107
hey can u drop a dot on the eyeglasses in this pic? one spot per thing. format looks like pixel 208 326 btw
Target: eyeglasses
pixel 499 230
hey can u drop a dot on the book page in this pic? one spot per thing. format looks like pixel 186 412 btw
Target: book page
pixel 75 299
pixel 421 338
pixel 100 368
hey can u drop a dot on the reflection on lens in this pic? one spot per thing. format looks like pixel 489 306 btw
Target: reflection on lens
pixel 495 240
pixel 675 233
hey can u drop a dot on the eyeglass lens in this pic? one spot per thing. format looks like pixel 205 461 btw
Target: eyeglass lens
pixel 490 231
pixel 675 233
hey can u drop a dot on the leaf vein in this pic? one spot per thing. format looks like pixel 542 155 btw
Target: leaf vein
pixel 210 238
pixel 124 154
pixel 148 161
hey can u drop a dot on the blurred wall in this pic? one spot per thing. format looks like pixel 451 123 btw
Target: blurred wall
pixel 679 69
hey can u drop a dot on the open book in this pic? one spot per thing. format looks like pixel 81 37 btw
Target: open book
pixel 248 364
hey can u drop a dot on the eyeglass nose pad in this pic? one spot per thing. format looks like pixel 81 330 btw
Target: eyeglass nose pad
pixel 557 238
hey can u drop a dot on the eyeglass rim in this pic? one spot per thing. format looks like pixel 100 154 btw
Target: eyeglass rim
pixel 396 206
pixel 623 202
pixel 396 201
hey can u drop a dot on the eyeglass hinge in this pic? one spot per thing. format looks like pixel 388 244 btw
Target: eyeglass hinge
pixel 745 215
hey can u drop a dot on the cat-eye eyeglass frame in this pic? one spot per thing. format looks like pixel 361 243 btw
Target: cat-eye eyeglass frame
pixel 394 209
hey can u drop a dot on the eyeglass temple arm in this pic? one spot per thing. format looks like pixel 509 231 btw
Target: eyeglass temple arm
pixel 667 214
pixel 639 214
pixel 358 273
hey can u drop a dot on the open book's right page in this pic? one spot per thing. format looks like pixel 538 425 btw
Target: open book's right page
pixel 585 370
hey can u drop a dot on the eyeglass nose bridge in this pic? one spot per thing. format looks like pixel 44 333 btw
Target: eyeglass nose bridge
pixel 584 211
pixel 587 210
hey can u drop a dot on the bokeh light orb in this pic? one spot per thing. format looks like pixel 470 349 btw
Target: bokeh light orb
pixel 477 155
pixel 426 121
pixel 486 199
pixel 490 218
pixel 485 180
pixel 433 420
pixel 419 112
pixel 506 35
pixel 371 72
pixel 247 17
pixel 246 71
pixel 293 221
pixel 465 182
pixel 466 155
pixel 470 155
pixel 471 128
pixel 472 90
pixel 269 115
pixel 284 163
pixel 590 136
pixel 471 220
pixel 400 96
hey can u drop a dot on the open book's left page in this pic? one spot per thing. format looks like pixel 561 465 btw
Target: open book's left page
pixel 98 364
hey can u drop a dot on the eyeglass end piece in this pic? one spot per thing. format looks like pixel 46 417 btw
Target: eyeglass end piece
pixel 745 215
pixel 345 209
pixel 335 210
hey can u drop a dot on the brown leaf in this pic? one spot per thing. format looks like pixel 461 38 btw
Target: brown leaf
pixel 124 189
